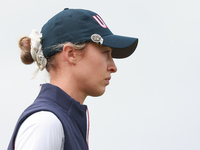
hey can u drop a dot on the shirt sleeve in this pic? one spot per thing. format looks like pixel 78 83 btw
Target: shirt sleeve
pixel 40 131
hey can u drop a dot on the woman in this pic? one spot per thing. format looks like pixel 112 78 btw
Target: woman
pixel 77 49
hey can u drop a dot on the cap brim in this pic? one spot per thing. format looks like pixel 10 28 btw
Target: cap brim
pixel 122 46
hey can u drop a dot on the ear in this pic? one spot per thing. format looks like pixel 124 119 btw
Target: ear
pixel 69 53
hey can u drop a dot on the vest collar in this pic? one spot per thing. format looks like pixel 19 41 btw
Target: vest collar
pixel 74 109
pixel 57 95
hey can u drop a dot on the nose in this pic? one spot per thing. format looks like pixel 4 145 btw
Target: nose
pixel 112 67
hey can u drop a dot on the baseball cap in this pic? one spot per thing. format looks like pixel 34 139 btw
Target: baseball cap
pixel 78 26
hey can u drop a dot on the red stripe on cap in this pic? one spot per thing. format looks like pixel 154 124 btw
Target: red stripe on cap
pixel 100 21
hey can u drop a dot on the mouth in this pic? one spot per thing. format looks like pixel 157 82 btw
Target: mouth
pixel 108 80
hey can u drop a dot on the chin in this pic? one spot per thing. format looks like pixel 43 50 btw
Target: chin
pixel 97 93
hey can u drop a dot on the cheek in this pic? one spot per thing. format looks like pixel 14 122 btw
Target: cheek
pixel 89 70
pixel 98 70
pixel 94 73
pixel 95 65
pixel 91 75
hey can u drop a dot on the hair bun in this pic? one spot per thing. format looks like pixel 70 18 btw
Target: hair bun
pixel 25 46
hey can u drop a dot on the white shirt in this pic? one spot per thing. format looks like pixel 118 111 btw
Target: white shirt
pixel 40 131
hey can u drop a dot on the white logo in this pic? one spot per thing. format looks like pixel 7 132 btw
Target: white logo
pixel 100 21
pixel 96 38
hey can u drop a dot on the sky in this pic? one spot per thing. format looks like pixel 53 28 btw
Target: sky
pixel 152 102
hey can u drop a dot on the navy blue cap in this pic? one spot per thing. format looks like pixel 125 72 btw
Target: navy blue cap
pixel 78 26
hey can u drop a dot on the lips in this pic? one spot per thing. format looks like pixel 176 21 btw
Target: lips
pixel 108 80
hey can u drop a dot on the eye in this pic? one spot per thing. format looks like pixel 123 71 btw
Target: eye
pixel 107 52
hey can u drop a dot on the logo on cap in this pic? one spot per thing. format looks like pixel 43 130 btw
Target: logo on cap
pixel 100 21
pixel 96 38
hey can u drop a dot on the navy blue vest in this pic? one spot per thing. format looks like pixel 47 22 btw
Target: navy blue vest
pixel 70 112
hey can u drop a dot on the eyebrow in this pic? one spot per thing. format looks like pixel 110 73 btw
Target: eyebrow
pixel 106 48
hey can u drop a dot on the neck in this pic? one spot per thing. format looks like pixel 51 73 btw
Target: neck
pixel 68 85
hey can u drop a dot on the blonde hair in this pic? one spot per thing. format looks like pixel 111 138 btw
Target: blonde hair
pixel 26 58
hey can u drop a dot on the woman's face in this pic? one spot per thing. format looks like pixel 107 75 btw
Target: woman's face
pixel 94 69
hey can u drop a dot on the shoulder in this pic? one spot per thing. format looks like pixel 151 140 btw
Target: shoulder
pixel 44 119
pixel 43 128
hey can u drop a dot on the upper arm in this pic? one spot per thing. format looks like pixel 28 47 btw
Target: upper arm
pixel 40 131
